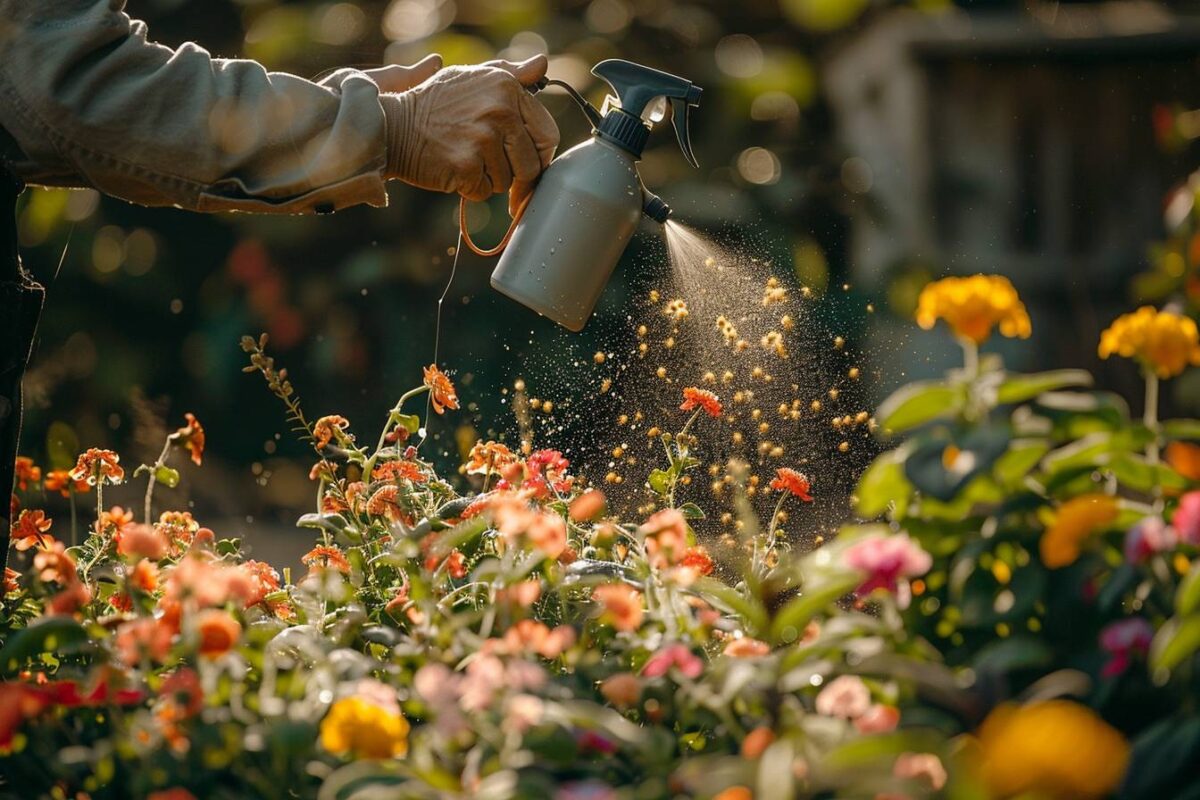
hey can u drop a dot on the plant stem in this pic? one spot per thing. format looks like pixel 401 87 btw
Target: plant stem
pixel 970 357
pixel 162 459
pixel 1150 415
pixel 74 519
pixel 391 420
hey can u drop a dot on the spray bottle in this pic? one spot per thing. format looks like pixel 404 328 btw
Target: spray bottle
pixel 564 246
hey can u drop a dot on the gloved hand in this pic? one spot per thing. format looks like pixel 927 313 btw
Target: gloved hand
pixel 472 130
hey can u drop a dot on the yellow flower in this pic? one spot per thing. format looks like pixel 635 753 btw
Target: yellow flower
pixel 367 729
pixel 972 306
pixel 1076 520
pixel 1054 748
pixel 1163 341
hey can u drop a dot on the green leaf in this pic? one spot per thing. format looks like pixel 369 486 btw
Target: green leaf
pixel 58 635
pixel 691 511
pixel 883 485
pixel 334 523
pixel 1019 460
pixel 167 476
pixel 816 596
pixel 1135 472
pixel 1015 653
pixel 1175 642
pixel 410 422
pixel 732 601
pixel 659 481
pixel 1187 597
pixel 1016 388
pixel 917 403
pixel 1181 429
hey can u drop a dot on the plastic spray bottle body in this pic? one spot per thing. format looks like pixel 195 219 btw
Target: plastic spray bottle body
pixel 583 213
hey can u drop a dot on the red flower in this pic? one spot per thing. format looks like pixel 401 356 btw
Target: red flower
pixel 694 397
pixel 11 576
pixel 323 556
pixel 59 480
pixel 219 632
pixel 98 466
pixel 698 560
pixel 191 437
pixel 441 389
pixel 30 530
pixel 27 472
pixel 326 427
pixel 399 470
pixel 789 480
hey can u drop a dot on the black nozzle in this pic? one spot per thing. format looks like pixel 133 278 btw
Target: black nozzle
pixel 656 208
pixel 636 86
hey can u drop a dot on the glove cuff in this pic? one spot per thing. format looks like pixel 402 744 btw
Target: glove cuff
pixel 403 145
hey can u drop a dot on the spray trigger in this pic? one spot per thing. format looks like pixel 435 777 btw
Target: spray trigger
pixel 679 121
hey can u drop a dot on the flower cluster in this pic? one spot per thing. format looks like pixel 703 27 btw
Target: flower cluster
pixel 973 306
pixel 1164 342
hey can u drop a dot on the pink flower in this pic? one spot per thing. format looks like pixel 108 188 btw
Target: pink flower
pixel 1187 518
pixel 925 767
pixel 878 719
pixel 846 696
pixel 141 541
pixel 886 560
pixel 666 535
pixel 1150 536
pixel 677 656
pixel 1124 639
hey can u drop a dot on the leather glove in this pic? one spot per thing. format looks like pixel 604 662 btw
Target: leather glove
pixel 473 130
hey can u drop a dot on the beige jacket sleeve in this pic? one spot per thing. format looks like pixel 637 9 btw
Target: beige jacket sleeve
pixel 87 100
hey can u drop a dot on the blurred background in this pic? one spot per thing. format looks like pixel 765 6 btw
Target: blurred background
pixel 862 147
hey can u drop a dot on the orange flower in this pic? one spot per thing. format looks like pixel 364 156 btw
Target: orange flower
pixel 745 647
pixel 587 506
pixel 548 533
pixel 30 530
pixel 144 638
pixel 98 466
pixel 441 390
pixel 622 690
pixel 1184 458
pixel 489 457
pixel 456 565
pixel 11 576
pixel 521 594
pixel 59 480
pixel 191 437
pixel 323 556
pixel 1074 522
pixel 144 576
pixel 789 480
pixel 531 636
pixel 27 472
pixel 399 601
pixel 734 793
pixel 323 470
pixel 622 605
pixel 694 397
pixel 697 560
pixel 665 533
pixel 218 631
pixel 141 541
pixel 327 428
pixel 757 741
pixel 399 470
pixel 115 518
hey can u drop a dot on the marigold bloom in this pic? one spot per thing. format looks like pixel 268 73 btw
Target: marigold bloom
pixel 218 631
pixel 694 397
pixel 441 390
pixel 26 472
pixel 789 480
pixel 622 605
pixel 191 438
pixel 357 725
pixel 1075 521
pixel 98 466
pixel 59 480
pixel 972 306
pixel 489 458
pixel 327 428
pixel 323 556
pixel 399 471
pixel 1164 342
pixel 31 530
pixel 1054 748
